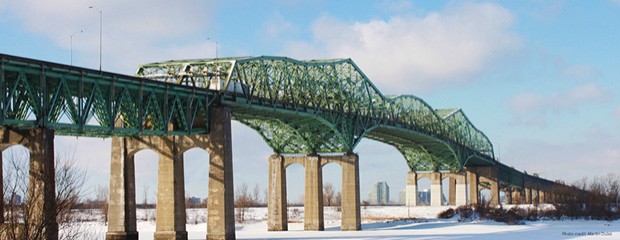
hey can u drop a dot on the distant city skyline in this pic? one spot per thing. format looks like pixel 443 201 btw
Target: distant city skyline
pixel 379 194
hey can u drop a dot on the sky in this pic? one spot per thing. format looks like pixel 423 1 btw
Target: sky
pixel 539 78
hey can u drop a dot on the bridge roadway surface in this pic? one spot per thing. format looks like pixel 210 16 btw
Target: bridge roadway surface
pixel 310 112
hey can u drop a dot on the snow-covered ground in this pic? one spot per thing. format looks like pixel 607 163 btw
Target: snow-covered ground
pixel 384 223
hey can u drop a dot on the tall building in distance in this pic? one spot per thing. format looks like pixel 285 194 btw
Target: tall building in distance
pixel 379 194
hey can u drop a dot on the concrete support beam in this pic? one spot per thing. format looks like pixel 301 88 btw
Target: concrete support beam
pixel 494 198
pixel 528 195
pixel 351 216
pixel 516 196
pixel 220 203
pixel 461 191
pixel 472 180
pixel 41 183
pixel 452 191
pixel 170 191
pixel 491 175
pixel 542 198
pixel 277 219
pixel 508 194
pixel 122 200
pixel 313 198
pixel 411 189
pixel 435 189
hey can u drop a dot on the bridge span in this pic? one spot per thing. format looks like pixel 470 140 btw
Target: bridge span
pixel 309 112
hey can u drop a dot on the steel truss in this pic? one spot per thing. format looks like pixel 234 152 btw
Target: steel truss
pixel 327 106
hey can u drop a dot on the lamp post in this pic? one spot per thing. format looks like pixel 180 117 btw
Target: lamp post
pixel 100 33
pixel 72 44
pixel 216 46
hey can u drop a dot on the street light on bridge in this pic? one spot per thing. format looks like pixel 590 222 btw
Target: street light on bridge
pixel 216 46
pixel 100 32
pixel 72 44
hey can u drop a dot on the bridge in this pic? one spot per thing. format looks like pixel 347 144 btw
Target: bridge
pixel 309 112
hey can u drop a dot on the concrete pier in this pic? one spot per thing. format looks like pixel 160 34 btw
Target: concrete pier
pixel 220 204
pixel 171 217
pixel 516 196
pixel 528 195
pixel 435 189
pixel 411 189
pixel 42 181
pixel 170 191
pixel 351 215
pixel 491 176
pixel 451 191
pixel 122 199
pixel 313 195
pixel 473 181
pixel 277 219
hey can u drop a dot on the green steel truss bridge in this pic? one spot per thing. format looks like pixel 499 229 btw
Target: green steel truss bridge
pixel 298 107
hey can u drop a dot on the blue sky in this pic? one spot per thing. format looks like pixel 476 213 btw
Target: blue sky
pixel 538 77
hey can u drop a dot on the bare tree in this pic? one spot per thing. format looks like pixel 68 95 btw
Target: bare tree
pixel 328 194
pixel 338 199
pixel 101 194
pixel 69 179
pixel 256 196
pixel 244 200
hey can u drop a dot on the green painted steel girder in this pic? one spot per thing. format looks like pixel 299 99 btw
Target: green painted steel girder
pixel 340 106
pixel 78 101
pixel 316 106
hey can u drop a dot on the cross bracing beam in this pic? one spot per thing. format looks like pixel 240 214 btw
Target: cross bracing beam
pixel 78 101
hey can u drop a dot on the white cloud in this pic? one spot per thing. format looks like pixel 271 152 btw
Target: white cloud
pixel 533 103
pixel 276 27
pixel 410 53
pixel 133 31
pixel 580 71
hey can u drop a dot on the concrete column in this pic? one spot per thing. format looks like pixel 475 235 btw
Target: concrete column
pixel 277 219
pixel 491 174
pixel 171 219
pixel 542 198
pixel 435 189
pixel 461 191
pixel 451 191
pixel 122 201
pixel 351 217
pixel 411 190
pixel 220 203
pixel 528 195
pixel 494 198
pixel 313 196
pixel 516 196
pixel 472 180
pixel 508 194
pixel 42 181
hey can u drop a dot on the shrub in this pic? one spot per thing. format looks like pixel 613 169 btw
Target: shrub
pixel 448 213
pixel 465 212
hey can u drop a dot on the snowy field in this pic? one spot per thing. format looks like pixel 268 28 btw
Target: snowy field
pixel 384 223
